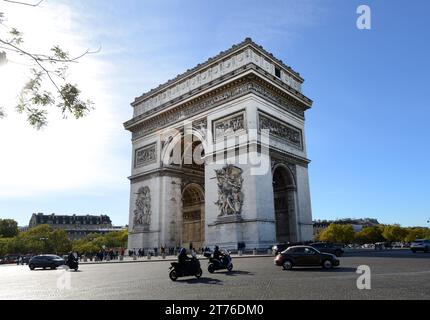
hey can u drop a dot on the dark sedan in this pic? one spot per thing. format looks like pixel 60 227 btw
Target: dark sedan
pixel 326 247
pixel 305 256
pixel 46 261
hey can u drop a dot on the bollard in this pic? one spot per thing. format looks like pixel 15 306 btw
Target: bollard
pixel 121 258
pixel 149 256
pixel 164 255
pixel 240 253
pixel 269 252
pixel 134 257
pixel 85 259
pixel 254 252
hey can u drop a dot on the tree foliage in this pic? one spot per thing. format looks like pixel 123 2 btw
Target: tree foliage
pixel 394 233
pixel 372 234
pixel 8 228
pixel 341 233
pixel 47 85
pixel 38 240
pixel 369 235
pixel 93 243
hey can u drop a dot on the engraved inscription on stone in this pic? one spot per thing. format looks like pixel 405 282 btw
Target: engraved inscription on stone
pixel 228 126
pixel 281 130
pixel 145 155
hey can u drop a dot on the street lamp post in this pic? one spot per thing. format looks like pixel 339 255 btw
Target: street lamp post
pixel 44 242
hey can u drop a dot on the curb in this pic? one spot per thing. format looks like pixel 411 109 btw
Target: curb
pixel 167 259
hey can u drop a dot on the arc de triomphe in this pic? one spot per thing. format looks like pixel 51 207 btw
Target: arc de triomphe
pixel 219 156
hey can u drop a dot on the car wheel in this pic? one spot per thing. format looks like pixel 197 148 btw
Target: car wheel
pixel 53 267
pixel 31 266
pixel 230 267
pixel 173 275
pixel 287 265
pixel 327 264
pixel 199 273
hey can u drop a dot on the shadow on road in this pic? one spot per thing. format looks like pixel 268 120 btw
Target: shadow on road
pixel 236 273
pixel 389 254
pixel 334 270
pixel 203 280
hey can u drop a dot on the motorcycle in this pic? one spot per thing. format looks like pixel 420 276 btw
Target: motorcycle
pixel 73 264
pixel 188 268
pixel 224 263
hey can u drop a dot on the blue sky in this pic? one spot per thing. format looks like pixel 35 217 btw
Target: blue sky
pixel 367 133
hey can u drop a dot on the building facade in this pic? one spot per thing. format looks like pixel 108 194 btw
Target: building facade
pixel 76 226
pixel 219 156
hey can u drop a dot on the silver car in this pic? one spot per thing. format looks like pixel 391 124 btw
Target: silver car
pixel 420 245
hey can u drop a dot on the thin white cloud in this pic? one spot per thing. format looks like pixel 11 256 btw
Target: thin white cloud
pixel 69 155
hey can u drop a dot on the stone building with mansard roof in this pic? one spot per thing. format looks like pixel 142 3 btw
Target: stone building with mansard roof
pixel 76 226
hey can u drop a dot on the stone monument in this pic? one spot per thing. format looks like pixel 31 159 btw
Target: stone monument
pixel 219 156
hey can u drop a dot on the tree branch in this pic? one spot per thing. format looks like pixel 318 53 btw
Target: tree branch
pixel 25 3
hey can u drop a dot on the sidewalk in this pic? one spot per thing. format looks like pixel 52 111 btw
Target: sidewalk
pixel 169 258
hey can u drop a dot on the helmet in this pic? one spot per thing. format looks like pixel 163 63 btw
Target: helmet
pixel 216 248
pixel 183 251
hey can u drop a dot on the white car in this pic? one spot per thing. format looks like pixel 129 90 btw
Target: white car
pixel 420 245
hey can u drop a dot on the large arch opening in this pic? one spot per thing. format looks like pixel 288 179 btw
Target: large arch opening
pixel 284 203
pixel 185 153
pixel 193 217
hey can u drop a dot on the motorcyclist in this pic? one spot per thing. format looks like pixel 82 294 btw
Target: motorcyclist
pixel 183 257
pixel 71 259
pixel 217 254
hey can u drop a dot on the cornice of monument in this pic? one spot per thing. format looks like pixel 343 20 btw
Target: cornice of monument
pixel 213 61
pixel 177 109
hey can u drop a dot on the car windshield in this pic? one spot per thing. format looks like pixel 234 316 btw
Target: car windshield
pixel 51 257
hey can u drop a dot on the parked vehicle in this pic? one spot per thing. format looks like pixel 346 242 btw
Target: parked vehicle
pixel 326 247
pixel 305 256
pixel 279 247
pixel 383 245
pixel 10 258
pixel 46 261
pixel 188 268
pixel 420 245
pixel 224 263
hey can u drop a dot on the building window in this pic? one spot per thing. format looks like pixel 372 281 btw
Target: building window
pixel 277 72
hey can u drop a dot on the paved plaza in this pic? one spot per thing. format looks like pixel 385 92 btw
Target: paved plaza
pixel 394 275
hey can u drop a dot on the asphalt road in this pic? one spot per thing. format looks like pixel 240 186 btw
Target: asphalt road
pixel 394 275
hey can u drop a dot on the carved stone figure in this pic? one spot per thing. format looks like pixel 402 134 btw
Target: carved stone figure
pixel 281 130
pixel 142 213
pixel 229 126
pixel 230 196
pixel 146 155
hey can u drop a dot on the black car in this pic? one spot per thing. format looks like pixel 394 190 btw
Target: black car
pixel 326 247
pixel 46 261
pixel 305 256
pixel 279 247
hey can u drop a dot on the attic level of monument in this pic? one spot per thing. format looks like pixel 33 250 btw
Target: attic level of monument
pixel 228 65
